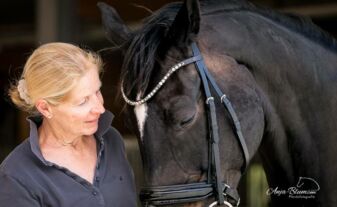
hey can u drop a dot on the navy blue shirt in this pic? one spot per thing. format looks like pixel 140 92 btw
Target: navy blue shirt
pixel 27 179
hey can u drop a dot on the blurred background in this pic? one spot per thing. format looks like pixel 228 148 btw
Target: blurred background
pixel 26 24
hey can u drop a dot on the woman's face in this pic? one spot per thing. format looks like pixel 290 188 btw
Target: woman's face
pixel 78 115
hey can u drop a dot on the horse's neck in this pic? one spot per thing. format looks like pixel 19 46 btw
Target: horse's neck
pixel 300 102
pixel 300 96
pixel 297 78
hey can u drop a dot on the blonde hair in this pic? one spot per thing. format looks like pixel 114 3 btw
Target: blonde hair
pixel 50 73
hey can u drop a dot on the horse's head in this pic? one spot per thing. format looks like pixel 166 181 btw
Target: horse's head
pixel 172 125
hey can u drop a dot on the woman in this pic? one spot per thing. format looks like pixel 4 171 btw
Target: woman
pixel 73 157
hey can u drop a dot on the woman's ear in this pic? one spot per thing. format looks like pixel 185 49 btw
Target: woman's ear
pixel 44 108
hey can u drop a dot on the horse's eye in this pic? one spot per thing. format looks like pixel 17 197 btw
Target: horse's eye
pixel 181 112
pixel 187 121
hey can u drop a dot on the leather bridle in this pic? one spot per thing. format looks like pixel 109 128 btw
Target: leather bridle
pixel 192 192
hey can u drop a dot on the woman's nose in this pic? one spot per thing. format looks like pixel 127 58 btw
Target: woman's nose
pixel 98 106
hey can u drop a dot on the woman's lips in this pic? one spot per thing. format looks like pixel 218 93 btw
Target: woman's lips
pixel 92 121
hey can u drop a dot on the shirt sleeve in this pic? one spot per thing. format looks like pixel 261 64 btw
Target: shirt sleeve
pixel 14 194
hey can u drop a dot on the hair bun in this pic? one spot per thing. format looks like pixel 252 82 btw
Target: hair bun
pixel 23 93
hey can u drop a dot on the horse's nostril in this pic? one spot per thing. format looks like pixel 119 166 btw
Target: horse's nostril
pixel 194 178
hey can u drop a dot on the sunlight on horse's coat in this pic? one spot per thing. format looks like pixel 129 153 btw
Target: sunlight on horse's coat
pixel 141 114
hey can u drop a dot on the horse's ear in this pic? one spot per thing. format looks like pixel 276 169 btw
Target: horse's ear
pixel 187 22
pixel 115 29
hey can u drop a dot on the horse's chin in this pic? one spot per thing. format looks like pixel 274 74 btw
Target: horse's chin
pixel 197 204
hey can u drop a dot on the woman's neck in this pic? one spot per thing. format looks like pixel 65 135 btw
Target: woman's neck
pixel 49 136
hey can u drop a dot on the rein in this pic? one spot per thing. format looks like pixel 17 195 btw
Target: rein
pixel 192 192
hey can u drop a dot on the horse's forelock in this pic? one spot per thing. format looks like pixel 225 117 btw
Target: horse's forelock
pixel 141 55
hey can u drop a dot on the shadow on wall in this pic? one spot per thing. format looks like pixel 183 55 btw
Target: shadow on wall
pixel 12 60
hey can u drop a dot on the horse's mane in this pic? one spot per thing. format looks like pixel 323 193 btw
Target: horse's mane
pixel 299 24
pixel 140 58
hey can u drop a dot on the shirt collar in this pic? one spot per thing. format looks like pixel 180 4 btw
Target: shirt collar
pixel 104 123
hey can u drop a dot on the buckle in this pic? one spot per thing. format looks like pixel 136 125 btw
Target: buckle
pixel 224 203
pixel 228 204
pixel 211 98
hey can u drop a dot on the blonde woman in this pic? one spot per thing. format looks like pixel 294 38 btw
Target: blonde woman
pixel 73 157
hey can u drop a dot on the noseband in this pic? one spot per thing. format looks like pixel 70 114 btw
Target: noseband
pixel 192 192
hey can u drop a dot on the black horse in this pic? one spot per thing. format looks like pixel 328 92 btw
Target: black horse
pixel 280 74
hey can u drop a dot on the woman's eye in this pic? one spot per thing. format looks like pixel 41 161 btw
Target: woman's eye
pixel 84 101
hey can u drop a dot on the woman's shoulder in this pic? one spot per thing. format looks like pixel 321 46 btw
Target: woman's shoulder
pixel 18 160
pixel 113 136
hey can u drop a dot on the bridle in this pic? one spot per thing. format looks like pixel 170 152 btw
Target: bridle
pixel 192 192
